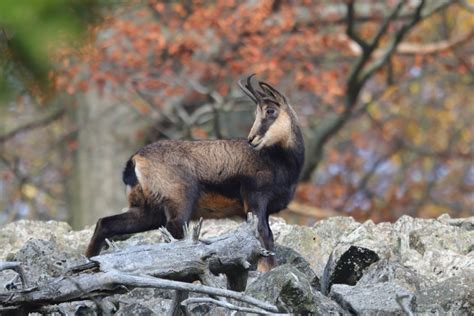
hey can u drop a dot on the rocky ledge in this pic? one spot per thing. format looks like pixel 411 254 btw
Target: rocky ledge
pixel 338 266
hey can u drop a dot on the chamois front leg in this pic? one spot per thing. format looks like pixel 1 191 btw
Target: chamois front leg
pixel 266 237
pixel 132 221
pixel 257 203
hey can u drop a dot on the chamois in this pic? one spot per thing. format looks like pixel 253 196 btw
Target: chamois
pixel 170 182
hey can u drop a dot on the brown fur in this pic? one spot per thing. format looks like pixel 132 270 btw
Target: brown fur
pixel 212 205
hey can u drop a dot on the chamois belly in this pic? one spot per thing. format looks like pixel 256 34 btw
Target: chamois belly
pixel 215 205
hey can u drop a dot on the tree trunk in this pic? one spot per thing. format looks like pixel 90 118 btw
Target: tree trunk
pixel 107 137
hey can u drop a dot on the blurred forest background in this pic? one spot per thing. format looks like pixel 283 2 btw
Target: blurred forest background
pixel 384 91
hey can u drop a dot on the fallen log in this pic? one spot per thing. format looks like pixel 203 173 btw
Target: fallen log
pixel 161 265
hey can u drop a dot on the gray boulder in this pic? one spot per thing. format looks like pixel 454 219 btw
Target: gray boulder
pixel 290 290
pixel 14 236
pixel 346 266
pixel 454 296
pixel 373 299
pixel 394 272
pixel 43 260
pixel 285 255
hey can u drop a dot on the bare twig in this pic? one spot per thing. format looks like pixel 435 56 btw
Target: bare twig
pixel 405 308
pixel 145 281
pixel 33 125
pixel 15 266
pixel 396 39
pixel 166 235
pixel 207 300
pixel 436 47
pixel 350 31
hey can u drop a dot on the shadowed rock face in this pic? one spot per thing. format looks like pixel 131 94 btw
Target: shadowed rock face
pixel 288 288
pixel 347 268
pixel 429 262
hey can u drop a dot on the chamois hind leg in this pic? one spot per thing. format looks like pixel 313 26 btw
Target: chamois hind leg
pixel 177 215
pixel 132 221
pixel 179 210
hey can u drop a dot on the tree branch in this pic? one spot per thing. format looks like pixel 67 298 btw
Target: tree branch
pixel 354 85
pixel 361 72
pixel 396 39
pixel 432 48
pixel 33 125
pixel 350 31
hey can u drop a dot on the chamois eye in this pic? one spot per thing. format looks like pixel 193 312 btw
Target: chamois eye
pixel 270 111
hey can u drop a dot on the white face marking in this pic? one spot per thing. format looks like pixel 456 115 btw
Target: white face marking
pixel 256 125
pixel 279 132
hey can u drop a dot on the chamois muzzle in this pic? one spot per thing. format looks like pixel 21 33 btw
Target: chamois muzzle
pixel 250 139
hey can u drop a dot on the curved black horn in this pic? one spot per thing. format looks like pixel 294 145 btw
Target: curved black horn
pixel 247 92
pixel 257 94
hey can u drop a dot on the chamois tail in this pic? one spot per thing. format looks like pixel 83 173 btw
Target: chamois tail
pixel 129 177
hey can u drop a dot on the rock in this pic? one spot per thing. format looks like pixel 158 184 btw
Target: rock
pixel 440 253
pixel 289 289
pixel 346 267
pixel 464 223
pixel 303 240
pixel 285 255
pixel 394 272
pixel 380 238
pixel 42 260
pixel 329 232
pixel 335 227
pixel 284 286
pixel 134 309
pixel 438 265
pixel 454 296
pixel 323 305
pixel 373 299
pixel 442 237
pixel 14 235
pixel 143 300
pixel 216 227
pixel 83 308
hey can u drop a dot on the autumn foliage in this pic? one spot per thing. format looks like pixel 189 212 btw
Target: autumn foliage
pixel 406 146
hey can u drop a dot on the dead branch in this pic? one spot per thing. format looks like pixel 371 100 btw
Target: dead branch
pixel 15 266
pixel 63 289
pixel 33 125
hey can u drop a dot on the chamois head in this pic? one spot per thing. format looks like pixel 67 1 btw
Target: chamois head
pixel 275 118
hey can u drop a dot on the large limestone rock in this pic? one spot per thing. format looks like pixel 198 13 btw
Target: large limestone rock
pixel 15 235
pixel 377 299
pixel 290 290
pixel 453 296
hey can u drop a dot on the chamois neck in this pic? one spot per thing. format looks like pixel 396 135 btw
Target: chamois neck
pixel 288 157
